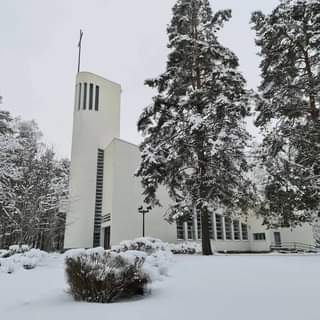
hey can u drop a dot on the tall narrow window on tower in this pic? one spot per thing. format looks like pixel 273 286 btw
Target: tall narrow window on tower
pixel 79 96
pixel 96 102
pixel 90 96
pixel 85 96
pixel 99 198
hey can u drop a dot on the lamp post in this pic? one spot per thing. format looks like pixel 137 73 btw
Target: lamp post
pixel 143 212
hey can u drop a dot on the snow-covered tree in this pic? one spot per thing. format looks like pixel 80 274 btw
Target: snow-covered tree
pixel 32 185
pixel 194 130
pixel 54 193
pixel 316 232
pixel 5 120
pixel 9 174
pixel 288 111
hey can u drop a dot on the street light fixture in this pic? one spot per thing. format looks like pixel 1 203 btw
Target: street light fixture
pixel 143 212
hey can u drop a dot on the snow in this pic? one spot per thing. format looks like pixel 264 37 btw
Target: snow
pixel 186 247
pixel 29 259
pixel 17 248
pixel 219 287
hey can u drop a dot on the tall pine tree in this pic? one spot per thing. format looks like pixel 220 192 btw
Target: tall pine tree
pixel 288 111
pixel 194 130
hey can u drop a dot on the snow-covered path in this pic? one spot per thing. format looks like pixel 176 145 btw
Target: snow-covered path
pixel 219 287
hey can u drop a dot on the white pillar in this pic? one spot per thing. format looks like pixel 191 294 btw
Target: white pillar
pixel 185 229
pixel 223 228
pixel 214 226
pixel 232 230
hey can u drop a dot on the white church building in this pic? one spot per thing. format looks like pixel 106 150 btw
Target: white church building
pixel 105 195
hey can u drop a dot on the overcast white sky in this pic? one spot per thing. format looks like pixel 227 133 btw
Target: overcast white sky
pixel 124 41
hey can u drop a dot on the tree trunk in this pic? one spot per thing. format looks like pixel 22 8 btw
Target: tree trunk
pixel 312 100
pixel 196 82
pixel 206 243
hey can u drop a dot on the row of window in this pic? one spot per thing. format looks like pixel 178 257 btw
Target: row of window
pixel 87 96
pixel 220 228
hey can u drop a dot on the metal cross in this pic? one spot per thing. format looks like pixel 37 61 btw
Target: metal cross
pixel 79 46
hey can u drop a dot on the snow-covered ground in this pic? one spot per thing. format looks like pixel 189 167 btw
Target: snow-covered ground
pixel 220 287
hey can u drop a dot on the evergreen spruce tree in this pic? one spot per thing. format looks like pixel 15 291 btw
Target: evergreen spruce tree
pixel 194 130
pixel 288 111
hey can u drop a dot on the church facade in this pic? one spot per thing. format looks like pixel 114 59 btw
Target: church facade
pixel 105 195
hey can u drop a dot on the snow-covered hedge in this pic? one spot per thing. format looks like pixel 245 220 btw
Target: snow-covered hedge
pixel 3 253
pixel 158 255
pixel 186 248
pixel 13 250
pixel 148 245
pixel 26 260
pixel 96 275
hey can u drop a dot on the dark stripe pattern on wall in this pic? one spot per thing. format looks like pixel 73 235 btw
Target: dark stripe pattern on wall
pixel 99 199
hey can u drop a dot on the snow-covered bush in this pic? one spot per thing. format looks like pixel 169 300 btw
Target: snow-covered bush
pixel 158 255
pixel 3 253
pixel 19 248
pixel 97 275
pixel 186 248
pixel 148 245
pixel 16 248
pixel 26 260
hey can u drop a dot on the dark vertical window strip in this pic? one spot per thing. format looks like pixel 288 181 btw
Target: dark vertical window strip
pixel 180 229
pixel 199 225
pixel 99 199
pixel 96 102
pixel 85 96
pixel 91 96
pixel 79 96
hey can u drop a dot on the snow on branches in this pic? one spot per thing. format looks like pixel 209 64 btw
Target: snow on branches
pixel 194 131
pixel 32 185
pixel 288 111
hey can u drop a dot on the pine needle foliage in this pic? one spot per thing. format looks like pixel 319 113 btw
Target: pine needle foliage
pixel 194 130
pixel 288 111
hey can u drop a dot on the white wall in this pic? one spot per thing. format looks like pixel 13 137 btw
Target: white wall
pixel 126 222
pixel 231 245
pixel 91 130
pixel 303 234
